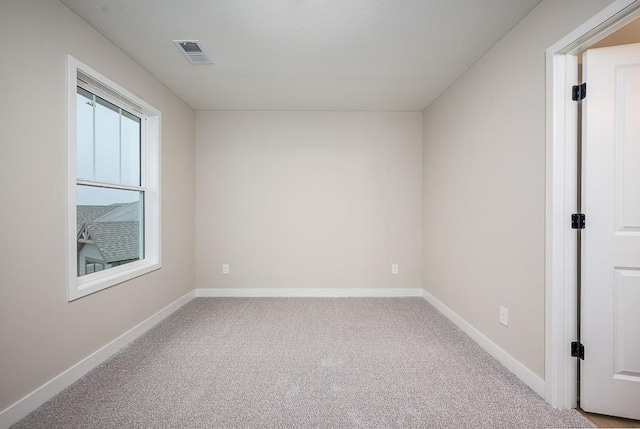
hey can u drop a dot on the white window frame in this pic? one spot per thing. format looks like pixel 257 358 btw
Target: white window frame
pixel 79 286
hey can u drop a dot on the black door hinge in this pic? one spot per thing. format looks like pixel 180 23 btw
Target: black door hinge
pixel 579 92
pixel 577 350
pixel 578 221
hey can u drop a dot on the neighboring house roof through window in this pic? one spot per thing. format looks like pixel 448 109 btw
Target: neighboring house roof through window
pixel 115 229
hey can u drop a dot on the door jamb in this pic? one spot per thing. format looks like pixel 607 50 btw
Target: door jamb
pixel 561 188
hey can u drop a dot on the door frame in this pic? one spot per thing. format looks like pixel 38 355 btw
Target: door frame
pixel 561 190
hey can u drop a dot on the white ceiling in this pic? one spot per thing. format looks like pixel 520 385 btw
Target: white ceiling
pixel 306 54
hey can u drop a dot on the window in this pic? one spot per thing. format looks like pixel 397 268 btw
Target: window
pixel 114 198
pixel 92 267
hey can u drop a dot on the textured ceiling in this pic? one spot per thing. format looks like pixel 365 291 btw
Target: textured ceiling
pixel 306 54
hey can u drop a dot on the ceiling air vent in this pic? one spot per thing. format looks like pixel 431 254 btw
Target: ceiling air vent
pixel 194 52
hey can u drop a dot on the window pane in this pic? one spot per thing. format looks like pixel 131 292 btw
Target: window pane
pixel 84 134
pixel 92 267
pixel 107 142
pixel 110 225
pixel 130 147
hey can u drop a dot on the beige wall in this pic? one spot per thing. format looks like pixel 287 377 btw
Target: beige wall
pixel 630 33
pixel 308 199
pixel 484 184
pixel 41 334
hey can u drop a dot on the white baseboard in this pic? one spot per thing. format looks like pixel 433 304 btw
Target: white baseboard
pixel 48 390
pixel 308 293
pixel 527 376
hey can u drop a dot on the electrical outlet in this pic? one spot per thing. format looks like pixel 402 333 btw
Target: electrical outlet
pixel 394 269
pixel 504 316
pixel 225 269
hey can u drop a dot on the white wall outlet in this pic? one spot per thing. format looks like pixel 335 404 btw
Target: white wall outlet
pixel 225 269
pixel 504 316
pixel 394 269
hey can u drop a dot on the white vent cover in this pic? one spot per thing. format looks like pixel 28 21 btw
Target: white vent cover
pixel 194 52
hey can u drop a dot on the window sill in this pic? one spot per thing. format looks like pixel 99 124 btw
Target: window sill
pixel 91 283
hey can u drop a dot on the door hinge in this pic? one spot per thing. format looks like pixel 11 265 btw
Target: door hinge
pixel 579 92
pixel 578 221
pixel 577 350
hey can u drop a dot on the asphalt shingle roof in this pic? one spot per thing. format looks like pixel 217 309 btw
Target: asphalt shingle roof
pixel 86 214
pixel 115 229
pixel 123 213
pixel 117 241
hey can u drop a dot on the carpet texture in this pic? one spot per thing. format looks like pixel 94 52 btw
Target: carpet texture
pixel 301 363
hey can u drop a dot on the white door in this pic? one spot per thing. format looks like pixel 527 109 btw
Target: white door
pixel 610 324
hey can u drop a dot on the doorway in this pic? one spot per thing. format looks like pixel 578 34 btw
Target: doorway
pixel 562 190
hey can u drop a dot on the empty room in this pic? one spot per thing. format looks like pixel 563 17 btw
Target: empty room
pixel 310 213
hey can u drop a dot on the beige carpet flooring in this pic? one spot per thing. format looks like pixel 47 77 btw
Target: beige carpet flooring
pixel 301 363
